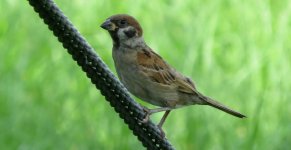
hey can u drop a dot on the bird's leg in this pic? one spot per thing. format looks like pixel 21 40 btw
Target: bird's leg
pixel 149 112
pixel 162 122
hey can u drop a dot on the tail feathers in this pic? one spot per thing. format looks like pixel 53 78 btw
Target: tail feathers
pixel 219 106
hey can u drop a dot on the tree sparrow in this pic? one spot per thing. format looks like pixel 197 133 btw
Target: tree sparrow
pixel 147 76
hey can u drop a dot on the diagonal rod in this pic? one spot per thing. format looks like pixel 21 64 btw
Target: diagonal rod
pixel 104 80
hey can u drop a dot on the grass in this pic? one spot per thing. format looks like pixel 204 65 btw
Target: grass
pixel 237 52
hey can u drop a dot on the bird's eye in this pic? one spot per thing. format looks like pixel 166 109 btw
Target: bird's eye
pixel 122 22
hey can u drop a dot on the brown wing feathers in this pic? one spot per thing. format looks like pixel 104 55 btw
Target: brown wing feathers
pixel 156 68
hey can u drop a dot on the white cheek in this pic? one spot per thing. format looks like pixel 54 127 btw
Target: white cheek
pixel 121 34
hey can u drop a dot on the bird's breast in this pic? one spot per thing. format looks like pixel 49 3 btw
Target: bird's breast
pixel 125 65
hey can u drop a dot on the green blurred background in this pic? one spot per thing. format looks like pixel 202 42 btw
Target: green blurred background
pixel 237 52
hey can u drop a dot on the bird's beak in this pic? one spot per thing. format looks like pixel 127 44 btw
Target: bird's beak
pixel 108 25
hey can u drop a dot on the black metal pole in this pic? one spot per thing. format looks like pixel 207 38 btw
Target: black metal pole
pixel 104 80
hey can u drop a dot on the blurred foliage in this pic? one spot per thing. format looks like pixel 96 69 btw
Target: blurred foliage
pixel 238 52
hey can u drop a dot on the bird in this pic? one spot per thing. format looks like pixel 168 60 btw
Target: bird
pixel 148 76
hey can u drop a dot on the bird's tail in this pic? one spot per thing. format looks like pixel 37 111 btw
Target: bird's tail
pixel 219 106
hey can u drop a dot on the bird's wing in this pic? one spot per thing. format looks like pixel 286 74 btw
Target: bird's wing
pixel 157 70
pixel 186 86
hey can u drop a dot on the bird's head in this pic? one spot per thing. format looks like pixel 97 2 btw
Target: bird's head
pixel 122 27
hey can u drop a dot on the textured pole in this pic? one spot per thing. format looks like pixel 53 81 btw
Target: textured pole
pixel 104 80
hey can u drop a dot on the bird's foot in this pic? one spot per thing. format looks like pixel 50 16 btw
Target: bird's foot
pixel 147 115
pixel 149 112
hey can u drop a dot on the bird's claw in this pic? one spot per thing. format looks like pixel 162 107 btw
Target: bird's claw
pixel 148 112
pixel 147 115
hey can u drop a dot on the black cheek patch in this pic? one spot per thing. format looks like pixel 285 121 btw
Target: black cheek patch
pixel 130 33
